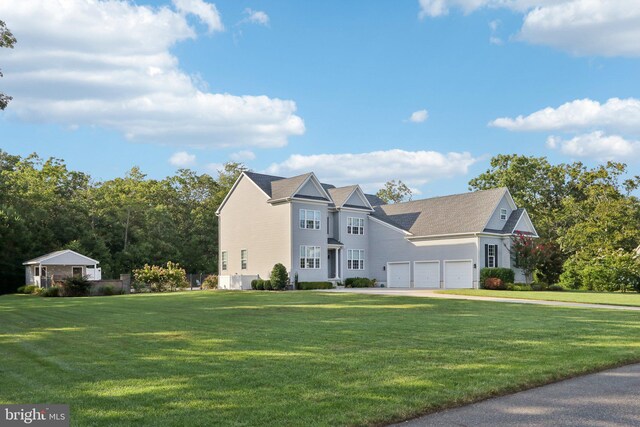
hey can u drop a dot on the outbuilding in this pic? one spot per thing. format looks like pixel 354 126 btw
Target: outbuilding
pixel 46 269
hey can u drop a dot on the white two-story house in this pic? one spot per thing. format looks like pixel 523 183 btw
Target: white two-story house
pixel 324 233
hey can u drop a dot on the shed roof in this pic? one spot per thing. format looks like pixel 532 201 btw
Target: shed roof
pixel 63 257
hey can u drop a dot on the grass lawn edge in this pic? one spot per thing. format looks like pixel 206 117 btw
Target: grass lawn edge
pixel 525 298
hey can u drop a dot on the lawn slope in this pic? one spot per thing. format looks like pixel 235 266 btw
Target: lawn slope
pixel 290 358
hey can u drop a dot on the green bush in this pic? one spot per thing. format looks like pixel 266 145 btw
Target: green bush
pixel 556 288
pixel 53 291
pixel 279 277
pixel 161 279
pixel 267 285
pixel 76 286
pixel 505 274
pixel 107 290
pixel 305 286
pixel 260 285
pixel 28 289
pixel 609 271
pixel 254 284
pixel 359 282
pixel 518 287
pixel 211 282
pixel 539 286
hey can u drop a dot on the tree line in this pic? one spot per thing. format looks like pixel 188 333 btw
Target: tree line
pixel 123 222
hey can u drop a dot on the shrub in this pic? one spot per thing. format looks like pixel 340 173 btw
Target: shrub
pixel 279 277
pixel 609 271
pixel 556 288
pixel 359 282
pixel 518 287
pixel 211 282
pixel 254 284
pixel 539 286
pixel 161 279
pixel 53 291
pixel 108 290
pixel 494 283
pixel 76 286
pixel 260 285
pixel 305 286
pixel 267 285
pixel 505 274
pixel 28 289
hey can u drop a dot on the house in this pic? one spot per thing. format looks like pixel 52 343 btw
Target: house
pixel 325 233
pixel 46 269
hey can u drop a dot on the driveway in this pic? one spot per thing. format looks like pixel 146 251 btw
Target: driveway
pixel 432 293
pixel 606 399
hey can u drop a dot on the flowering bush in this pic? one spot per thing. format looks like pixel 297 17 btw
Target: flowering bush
pixel 161 279
pixel 494 283
pixel 210 282
pixel 530 255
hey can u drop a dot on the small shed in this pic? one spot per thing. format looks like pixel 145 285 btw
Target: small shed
pixel 46 269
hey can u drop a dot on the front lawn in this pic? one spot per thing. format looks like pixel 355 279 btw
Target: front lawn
pixel 290 358
pixel 629 298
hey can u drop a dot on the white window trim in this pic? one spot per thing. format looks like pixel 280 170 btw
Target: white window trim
pixel 245 260
pixel 360 260
pixel 490 257
pixel 503 214
pixel 350 227
pixel 303 219
pixel 224 261
pixel 304 250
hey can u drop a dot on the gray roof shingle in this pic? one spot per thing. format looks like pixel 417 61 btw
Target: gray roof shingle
pixel 340 194
pixel 459 213
pixel 511 223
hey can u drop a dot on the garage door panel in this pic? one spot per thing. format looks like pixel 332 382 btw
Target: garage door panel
pixel 399 275
pixel 426 274
pixel 458 274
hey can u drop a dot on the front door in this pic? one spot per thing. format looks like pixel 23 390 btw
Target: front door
pixel 331 264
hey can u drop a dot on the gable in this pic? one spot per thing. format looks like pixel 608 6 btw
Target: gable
pixel 309 189
pixel 65 257
pixel 356 200
pixel 525 225
pixel 495 223
pixel 243 187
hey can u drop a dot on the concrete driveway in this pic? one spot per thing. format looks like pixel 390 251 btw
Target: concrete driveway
pixel 605 399
pixel 432 293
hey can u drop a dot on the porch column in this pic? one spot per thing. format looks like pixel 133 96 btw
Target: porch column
pixel 337 264
pixel 40 275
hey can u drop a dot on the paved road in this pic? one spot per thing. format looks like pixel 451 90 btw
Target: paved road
pixel 427 293
pixel 605 399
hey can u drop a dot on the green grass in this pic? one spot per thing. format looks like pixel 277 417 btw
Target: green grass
pixel 629 298
pixel 290 358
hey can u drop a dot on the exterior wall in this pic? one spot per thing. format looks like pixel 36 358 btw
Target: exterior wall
pixel 303 236
pixel 67 258
pixel 388 245
pixel 352 241
pixel 504 254
pixel 495 223
pixel 248 222
pixel 236 282
pixel 356 200
pixel 28 275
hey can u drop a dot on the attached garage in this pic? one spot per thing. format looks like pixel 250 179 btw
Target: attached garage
pixel 426 274
pixel 398 274
pixel 458 274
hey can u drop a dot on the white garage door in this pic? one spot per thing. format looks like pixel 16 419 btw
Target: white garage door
pixel 458 274
pixel 399 275
pixel 426 274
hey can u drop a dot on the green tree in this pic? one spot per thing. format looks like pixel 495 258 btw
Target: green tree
pixel 279 277
pixel 394 192
pixel 6 40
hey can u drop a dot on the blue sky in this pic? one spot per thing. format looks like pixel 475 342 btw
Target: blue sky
pixel 330 86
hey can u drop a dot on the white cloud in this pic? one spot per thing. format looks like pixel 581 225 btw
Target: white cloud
pixel 581 27
pixel 182 159
pixel 597 145
pixel 371 170
pixel 242 156
pixel 206 12
pixel 255 17
pixel 493 38
pixel 620 115
pixel 419 116
pixel 109 64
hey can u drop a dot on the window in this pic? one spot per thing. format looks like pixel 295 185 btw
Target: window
pixel 310 257
pixel 224 260
pixel 503 214
pixel 355 259
pixel 355 225
pixel 309 219
pixel 37 271
pixel 490 256
pixel 243 259
pixel 76 271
